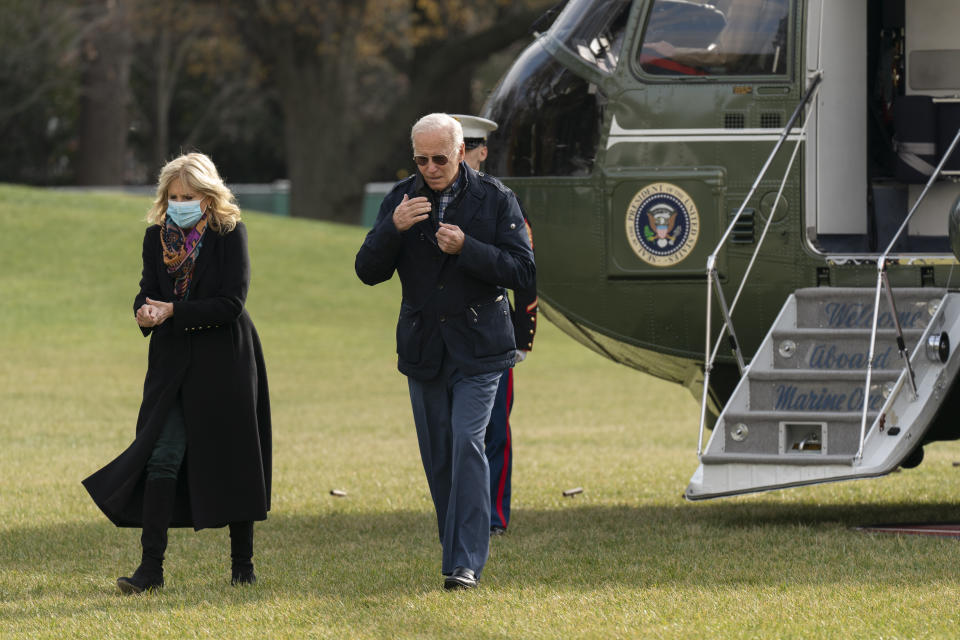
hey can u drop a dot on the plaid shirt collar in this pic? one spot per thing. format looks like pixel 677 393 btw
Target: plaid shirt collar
pixel 445 197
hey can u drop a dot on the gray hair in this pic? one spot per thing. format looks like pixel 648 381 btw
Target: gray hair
pixel 439 122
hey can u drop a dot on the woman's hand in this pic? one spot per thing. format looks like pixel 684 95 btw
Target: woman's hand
pixel 160 311
pixel 146 316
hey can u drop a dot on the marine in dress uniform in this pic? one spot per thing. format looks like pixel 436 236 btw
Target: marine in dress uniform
pixel 498 442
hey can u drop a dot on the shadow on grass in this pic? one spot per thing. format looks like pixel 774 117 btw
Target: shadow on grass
pixel 361 556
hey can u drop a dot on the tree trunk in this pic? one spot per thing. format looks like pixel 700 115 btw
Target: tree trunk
pixel 103 104
pixel 164 84
pixel 322 157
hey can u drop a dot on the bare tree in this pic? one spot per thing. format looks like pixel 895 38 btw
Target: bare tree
pixel 176 44
pixel 39 84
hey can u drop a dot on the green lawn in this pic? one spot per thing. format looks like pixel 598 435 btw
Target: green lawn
pixel 628 558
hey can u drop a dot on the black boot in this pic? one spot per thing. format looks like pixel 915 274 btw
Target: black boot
pixel 158 497
pixel 241 553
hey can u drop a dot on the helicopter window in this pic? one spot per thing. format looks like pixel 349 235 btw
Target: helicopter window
pixel 550 119
pixel 716 38
pixel 594 30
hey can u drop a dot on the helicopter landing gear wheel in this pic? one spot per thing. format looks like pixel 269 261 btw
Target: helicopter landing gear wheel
pixel 914 459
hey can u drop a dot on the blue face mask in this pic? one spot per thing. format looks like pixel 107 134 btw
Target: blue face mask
pixel 184 214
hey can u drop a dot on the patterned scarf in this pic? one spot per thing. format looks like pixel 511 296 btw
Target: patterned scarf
pixel 180 253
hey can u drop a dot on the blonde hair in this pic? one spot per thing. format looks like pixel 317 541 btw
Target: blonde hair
pixel 197 172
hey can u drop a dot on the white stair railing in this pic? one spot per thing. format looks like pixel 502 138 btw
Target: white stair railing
pixel 713 282
pixel 883 282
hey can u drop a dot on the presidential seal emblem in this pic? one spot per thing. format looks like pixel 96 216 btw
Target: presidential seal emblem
pixel 662 224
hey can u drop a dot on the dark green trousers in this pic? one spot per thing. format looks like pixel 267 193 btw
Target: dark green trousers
pixel 170 447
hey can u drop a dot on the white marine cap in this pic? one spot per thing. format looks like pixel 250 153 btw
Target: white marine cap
pixel 475 128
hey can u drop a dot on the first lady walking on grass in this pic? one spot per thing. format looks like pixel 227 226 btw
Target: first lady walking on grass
pixel 202 453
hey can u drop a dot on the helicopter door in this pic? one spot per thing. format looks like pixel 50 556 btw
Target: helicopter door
pixel 933 80
pixel 710 87
pixel 866 167
pixel 836 172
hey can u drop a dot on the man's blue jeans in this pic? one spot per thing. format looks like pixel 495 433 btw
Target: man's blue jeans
pixel 451 413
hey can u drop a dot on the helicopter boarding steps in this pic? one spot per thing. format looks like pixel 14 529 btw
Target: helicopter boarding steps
pixel 795 417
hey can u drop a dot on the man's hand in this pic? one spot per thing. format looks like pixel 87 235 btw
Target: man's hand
pixel 450 238
pixel 410 211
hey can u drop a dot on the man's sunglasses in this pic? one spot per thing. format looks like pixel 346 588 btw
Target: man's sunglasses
pixel 437 160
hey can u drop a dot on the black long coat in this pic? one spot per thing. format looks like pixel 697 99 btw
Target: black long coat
pixel 210 352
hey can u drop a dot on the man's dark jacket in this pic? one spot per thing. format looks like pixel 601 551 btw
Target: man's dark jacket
pixel 453 305
pixel 210 353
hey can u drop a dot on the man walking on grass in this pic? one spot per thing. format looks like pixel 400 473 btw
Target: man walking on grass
pixel 457 240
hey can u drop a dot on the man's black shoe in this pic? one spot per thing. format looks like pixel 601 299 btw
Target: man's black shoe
pixel 461 578
pixel 497 531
